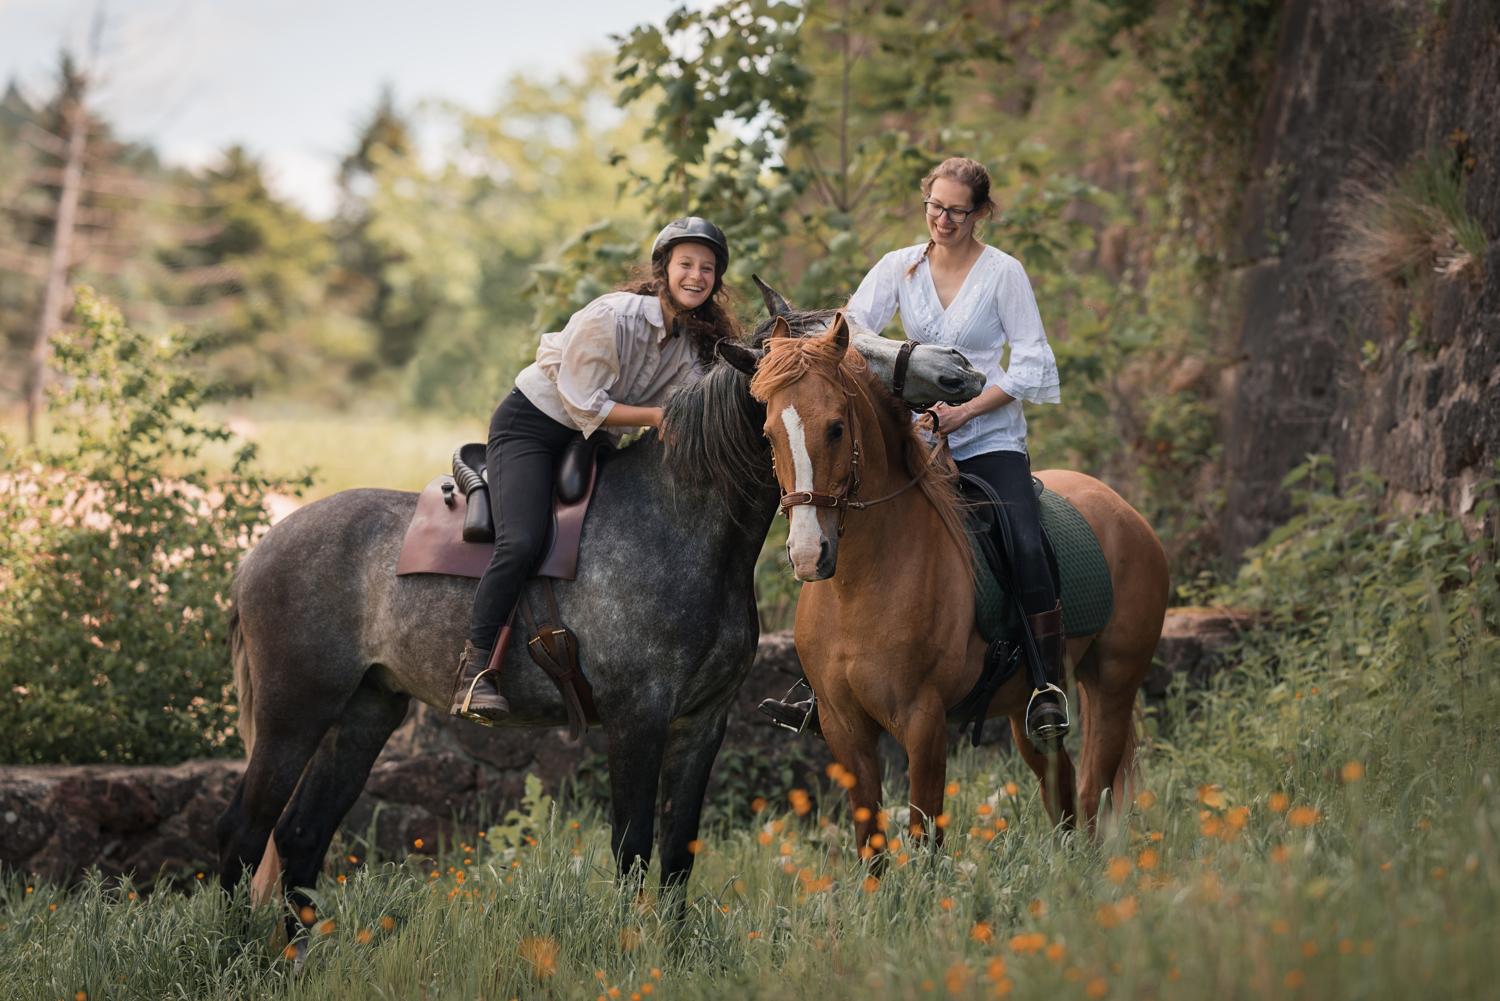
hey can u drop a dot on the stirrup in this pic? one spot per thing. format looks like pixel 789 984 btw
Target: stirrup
pixel 463 708
pixel 1050 734
pixel 788 700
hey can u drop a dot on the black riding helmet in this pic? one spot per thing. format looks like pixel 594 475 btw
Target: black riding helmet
pixel 694 229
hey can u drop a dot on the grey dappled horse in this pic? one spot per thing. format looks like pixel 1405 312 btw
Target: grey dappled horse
pixel 329 645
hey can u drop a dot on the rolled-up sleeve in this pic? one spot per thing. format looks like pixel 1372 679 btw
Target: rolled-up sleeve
pixel 874 302
pixel 589 366
pixel 1032 372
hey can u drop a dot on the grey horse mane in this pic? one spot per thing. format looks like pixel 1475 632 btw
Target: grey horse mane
pixel 713 429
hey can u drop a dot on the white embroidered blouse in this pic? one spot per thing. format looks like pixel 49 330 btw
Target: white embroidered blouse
pixel 994 307
pixel 614 350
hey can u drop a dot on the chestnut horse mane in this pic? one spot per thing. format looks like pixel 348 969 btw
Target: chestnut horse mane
pixel 790 359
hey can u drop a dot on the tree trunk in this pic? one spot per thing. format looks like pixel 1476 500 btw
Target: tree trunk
pixel 76 123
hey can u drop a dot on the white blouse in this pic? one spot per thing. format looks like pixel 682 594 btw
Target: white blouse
pixel 614 350
pixel 994 307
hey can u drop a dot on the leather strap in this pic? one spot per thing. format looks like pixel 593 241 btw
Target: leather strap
pixel 903 361
pixel 554 648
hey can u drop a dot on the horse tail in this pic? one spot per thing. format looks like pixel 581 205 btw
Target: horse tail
pixel 240 658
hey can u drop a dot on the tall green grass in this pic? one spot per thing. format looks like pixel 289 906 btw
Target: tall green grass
pixel 1321 822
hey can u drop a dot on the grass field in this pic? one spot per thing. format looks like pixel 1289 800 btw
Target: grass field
pixel 1324 822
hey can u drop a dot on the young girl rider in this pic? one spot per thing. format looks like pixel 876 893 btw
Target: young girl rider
pixel 957 291
pixel 611 367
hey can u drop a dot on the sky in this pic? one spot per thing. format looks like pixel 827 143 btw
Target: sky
pixel 292 79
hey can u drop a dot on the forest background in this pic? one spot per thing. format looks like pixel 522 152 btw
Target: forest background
pixel 360 349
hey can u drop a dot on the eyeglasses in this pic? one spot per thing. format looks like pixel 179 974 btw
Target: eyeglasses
pixel 955 216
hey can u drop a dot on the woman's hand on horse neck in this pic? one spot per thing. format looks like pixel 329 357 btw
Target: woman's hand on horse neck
pixel 953 418
pixel 624 415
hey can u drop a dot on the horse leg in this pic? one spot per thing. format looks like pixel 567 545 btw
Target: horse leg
pixel 854 744
pixel 281 753
pixel 1053 771
pixel 333 781
pixel 925 738
pixel 636 749
pixel 1109 732
pixel 692 746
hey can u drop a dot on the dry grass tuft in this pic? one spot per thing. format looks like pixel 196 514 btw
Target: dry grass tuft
pixel 1397 231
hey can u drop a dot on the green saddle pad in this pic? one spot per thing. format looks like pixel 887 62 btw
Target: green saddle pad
pixel 1088 597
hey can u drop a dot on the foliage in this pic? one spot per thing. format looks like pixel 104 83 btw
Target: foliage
pixel 117 550
pixel 1400 231
pixel 1324 823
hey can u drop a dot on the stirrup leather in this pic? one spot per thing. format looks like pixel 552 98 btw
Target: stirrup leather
pixel 1048 731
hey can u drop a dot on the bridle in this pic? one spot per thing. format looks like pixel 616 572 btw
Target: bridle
pixel 847 498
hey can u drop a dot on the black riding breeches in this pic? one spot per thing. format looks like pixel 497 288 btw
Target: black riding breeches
pixel 1009 475
pixel 521 459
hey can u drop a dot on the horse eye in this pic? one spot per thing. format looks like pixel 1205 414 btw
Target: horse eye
pixel 835 430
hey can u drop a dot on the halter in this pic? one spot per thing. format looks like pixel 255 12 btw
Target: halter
pixel 846 498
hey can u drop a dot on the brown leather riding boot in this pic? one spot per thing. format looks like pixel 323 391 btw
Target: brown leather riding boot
pixel 476 687
pixel 1047 711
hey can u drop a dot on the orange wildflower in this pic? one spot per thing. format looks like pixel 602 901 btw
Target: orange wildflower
pixel 1278 802
pixel 327 927
pixel 1352 771
pixel 1148 859
pixel 540 953
pixel 946 903
pixel 1303 816
pixel 1237 818
pixel 1012 790
pixel 363 936
pixel 871 884
pixel 861 814
pixel 1057 952
pixel 307 914
pixel 764 837
pixel 695 846
pixel 757 804
pixel 951 789
pixel 1212 796
pixel 1281 926
pixel 1146 799
pixel 995 969
pixel 417 843
pixel 985 809
pixel 1309 948
pixel 1119 869
pixel 1280 854
pixel 1096 988
pixel 1036 908
pixel 957 978
pixel 981 932
pixel 1028 943
pixel 1293 979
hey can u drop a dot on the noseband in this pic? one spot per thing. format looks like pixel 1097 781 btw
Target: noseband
pixel 847 497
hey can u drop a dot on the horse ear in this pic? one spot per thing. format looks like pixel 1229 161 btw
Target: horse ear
pixel 838 332
pixel 738 355
pixel 775 304
pixel 781 328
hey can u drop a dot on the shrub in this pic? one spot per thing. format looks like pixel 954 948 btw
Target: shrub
pixel 117 548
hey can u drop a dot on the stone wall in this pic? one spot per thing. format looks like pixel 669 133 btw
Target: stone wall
pixel 1405 382
pixel 158 822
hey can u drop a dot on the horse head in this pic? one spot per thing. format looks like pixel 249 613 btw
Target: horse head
pixel 807 386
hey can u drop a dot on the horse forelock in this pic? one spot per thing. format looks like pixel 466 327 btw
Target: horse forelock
pixel 789 359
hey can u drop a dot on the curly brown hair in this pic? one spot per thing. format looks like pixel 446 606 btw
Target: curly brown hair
pixel 706 325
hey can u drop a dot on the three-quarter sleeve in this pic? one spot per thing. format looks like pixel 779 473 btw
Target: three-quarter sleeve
pixel 1032 372
pixel 589 366
pixel 874 302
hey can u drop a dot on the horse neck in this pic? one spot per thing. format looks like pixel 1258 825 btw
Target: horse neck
pixel 898 535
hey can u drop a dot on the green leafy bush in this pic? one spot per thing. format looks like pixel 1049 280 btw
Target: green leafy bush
pixel 116 551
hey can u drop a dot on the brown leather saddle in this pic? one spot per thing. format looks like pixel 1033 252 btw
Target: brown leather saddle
pixel 452 532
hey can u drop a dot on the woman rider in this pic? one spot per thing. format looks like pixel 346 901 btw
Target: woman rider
pixel 957 291
pixel 611 367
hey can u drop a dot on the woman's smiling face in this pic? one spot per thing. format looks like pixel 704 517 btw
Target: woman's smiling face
pixel 690 274
pixel 947 193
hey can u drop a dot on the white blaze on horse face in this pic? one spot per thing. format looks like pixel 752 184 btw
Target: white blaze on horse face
pixel 804 539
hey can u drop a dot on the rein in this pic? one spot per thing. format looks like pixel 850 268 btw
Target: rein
pixel 847 498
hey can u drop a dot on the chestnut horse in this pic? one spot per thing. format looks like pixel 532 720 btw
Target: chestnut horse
pixel 890 643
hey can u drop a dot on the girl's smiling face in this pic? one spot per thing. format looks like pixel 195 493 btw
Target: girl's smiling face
pixel 691 270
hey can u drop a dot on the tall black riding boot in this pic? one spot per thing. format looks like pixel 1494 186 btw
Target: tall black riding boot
pixel 476 687
pixel 1047 711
